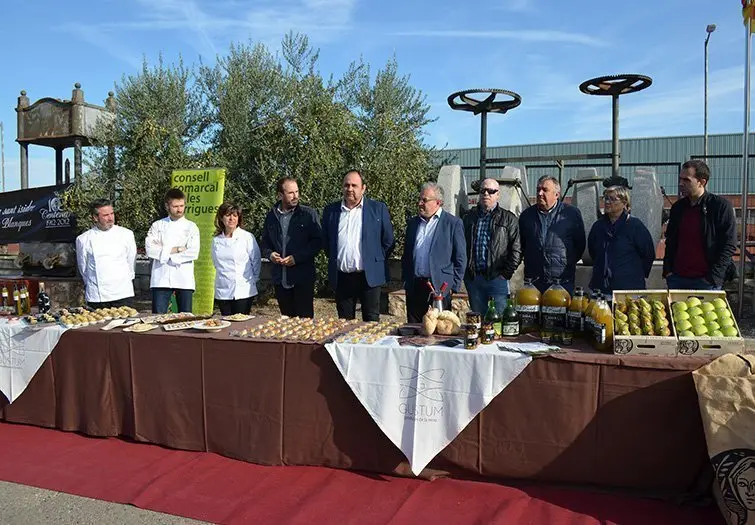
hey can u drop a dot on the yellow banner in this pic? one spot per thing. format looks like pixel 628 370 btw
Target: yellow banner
pixel 748 13
pixel 204 194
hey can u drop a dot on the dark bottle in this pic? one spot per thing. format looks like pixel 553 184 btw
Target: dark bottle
pixel 492 316
pixel 510 320
pixel 43 300
pixel 6 298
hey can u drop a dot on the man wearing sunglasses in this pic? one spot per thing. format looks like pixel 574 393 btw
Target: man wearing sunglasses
pixel 493 249
pixel 553 237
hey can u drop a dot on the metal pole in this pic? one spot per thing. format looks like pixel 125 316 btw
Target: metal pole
pixel 745 170
pixel 483 143
pixel 705 98
pixel 615 151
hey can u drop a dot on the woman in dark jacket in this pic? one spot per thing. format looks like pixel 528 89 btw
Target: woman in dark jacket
pixel 620 245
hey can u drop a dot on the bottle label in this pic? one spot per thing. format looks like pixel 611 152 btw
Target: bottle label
pixel 497 328
pixel 510 329
pixel 529 315
pixel 554 318
pixel 5 294
pixel 574 321
pixel 599 332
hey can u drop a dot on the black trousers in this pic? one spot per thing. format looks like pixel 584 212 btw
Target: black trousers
pixel 418 299
pixel 126 301
pixel 234 306
pixel 353 287
pixel 297 301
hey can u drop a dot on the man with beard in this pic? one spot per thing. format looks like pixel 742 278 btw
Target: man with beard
pixel 553 237
pixel 106 255
pixel 358 238
pixel 173 245
pixel 291 238
pixel 701 235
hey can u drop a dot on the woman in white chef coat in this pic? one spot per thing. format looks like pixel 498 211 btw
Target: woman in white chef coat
pixel 237 261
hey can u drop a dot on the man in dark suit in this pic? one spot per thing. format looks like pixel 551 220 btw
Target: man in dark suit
pixel 358 238
pixel 291 239
pixel 435 252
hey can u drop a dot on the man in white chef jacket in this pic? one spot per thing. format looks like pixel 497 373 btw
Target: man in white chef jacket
pixel 173 245
pixel 106 255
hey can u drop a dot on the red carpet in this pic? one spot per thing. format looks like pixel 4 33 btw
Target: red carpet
pixel 216 489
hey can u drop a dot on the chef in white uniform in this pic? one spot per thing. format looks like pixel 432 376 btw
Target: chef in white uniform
pixel 106 255
pixel 237 259
pixel 173 245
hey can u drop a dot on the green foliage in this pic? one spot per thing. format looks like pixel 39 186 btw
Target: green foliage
pixel 263 115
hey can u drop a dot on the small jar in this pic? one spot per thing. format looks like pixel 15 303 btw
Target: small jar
pixel 474 318
pixel 471 337
pixel 487 333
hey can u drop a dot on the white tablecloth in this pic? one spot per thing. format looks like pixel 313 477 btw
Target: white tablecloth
pixel 421 398
pixel 23 349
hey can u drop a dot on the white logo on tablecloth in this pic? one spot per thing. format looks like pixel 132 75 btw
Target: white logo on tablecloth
pixel 14 357
pixel 419 386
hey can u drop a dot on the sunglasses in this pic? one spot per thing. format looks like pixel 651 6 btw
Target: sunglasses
pixel 611 199
pixel 488 191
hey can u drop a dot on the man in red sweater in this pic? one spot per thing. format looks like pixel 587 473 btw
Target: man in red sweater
pixel 701 235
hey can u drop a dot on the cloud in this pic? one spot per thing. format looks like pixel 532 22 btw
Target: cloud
pixel 524 35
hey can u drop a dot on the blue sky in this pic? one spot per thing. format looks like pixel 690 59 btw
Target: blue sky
pixel 542 49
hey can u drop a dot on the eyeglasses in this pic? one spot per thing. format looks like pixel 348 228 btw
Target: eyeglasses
pixel 425 201
pixel 611 199
pixel 489 191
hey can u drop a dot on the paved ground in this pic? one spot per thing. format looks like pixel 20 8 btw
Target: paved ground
pixel 22 505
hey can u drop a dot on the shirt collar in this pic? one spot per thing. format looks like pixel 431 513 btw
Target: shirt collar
pixel 485 212
pixel 358 206
pixel 548 212
pixel 433 216
pixel 280 210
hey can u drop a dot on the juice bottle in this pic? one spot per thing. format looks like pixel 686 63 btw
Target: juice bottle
pixel 575 315
pixel 528 307
pixel 603 326
pixel 589 324
pixel 553 306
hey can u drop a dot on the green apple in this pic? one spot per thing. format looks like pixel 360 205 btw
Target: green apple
pixel 700 329
pixel 693 301
pixel 722 313
pixel 679 306
pixel 719 303
pixel 716 333
pixel 729 331
pixel 683 325
pixel 681 315
pixel 694 311
pixel 686 333
pixel 710 315
pixel 725 323
pixel 697 320
pixel 712 326
pixel 707 306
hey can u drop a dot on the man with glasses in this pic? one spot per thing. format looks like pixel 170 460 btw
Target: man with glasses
pixel 493 249
pixel 701 235
pixel 553 237
pixel 434 253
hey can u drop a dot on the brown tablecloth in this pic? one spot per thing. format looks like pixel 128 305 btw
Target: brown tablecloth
pixel 578 417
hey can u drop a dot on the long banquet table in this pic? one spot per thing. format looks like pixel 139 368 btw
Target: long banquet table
pixel 579 417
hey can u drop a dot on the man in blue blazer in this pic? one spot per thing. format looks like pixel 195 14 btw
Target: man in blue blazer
pixel 435 252
pixel 358 238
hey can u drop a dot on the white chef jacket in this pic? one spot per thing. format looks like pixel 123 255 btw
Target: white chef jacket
pixel 175 271
pixel 238 262
pixel 106 262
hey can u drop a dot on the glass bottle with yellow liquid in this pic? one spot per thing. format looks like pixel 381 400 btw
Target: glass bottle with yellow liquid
pixel 589 323
pixel 602 325
pixel 575 316
pixel 528 307
pixel 553 306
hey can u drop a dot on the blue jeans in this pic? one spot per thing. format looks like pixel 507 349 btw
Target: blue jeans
pixel 675 282
pixel 161 300
pixel 480 289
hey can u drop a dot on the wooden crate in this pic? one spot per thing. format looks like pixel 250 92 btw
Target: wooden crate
pixel 703 346
pixel 645 344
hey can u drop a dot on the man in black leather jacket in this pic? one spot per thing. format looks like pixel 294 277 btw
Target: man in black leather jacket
pixel 701 235
pixel 493 249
